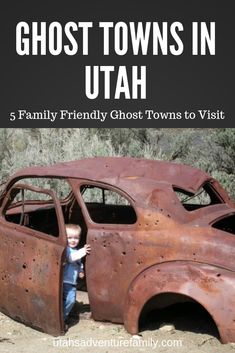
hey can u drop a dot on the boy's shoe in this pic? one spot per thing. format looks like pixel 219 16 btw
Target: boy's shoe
pixel 66 324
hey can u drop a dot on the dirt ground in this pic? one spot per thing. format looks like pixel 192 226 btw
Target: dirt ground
pixel 189 333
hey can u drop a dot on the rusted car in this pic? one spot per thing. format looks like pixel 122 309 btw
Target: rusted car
pixel 160 233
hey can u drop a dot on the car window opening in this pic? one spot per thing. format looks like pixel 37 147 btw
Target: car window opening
pixel 33 207
pixel 227 224
pixel 29 209
pixel 107 206
pixel 204 197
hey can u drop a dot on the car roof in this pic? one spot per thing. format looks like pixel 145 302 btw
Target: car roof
pixel 121 171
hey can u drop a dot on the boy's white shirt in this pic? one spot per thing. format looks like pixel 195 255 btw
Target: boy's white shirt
pixel 77 255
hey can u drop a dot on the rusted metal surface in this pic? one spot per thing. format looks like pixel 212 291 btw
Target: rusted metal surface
pixel 197 281
pixel 169 249
pixel 30 267
pixel 30 280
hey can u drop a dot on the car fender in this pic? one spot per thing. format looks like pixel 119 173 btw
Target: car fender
pixel 210 286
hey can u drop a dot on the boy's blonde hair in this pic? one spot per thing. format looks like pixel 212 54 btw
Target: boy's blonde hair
pixel 75 228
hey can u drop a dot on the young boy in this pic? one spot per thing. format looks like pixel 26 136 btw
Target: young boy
pixel 73 267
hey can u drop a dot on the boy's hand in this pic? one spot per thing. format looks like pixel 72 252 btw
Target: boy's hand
pixel 87 248
pixel 81 275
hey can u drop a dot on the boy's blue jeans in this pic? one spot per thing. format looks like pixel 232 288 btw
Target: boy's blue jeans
pixel 69 298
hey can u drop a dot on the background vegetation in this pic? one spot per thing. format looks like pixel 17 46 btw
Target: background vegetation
pixel 212 150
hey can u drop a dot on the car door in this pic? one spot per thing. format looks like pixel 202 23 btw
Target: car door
pixel 110 220
pixel 31 258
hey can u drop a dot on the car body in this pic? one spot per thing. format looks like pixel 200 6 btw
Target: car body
pixel 152 236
